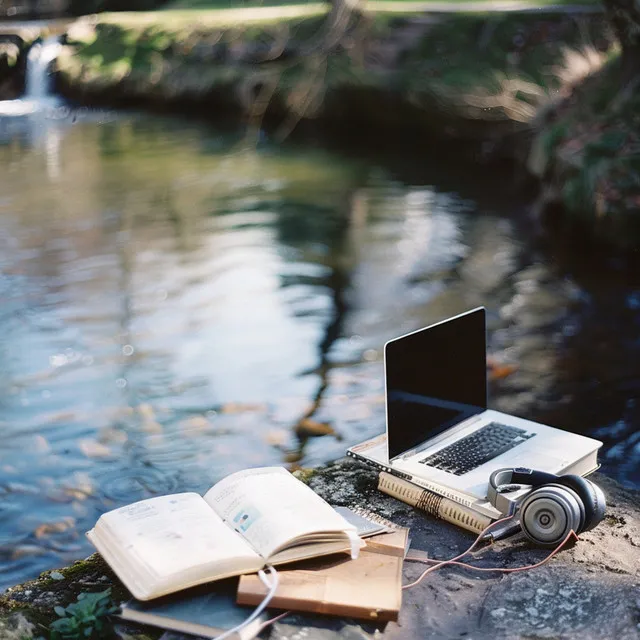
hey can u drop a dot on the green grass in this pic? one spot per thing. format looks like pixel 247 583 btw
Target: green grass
pixel 227 4
pixel 371 5
pixel 172 20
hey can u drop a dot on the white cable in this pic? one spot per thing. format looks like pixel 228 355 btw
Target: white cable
pixel 272 585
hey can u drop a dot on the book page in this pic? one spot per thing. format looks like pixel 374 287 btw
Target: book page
pixel 171 535
pixel 271 508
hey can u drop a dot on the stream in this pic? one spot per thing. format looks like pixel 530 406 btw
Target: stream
pixel 179 302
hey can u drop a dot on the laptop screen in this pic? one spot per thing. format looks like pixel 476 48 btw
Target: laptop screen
pixel 436 377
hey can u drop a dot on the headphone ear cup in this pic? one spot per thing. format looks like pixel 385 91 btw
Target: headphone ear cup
pixel 549 513
pixel 592 498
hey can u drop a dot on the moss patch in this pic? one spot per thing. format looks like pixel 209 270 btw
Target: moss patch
pixel 33 602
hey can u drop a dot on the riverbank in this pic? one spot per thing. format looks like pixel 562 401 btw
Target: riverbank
pixel 472 77
pixel 587 591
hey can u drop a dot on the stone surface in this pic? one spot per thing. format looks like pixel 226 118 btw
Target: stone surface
pixel 588 591
pixel 591 590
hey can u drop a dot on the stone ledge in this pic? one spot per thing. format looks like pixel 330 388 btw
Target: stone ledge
pixel 591 590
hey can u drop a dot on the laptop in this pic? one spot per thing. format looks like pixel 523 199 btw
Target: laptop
pixel 441 434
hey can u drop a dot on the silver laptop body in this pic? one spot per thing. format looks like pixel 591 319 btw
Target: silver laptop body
pixel 439 431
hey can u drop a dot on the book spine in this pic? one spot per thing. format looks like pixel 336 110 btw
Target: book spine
pixel 432 503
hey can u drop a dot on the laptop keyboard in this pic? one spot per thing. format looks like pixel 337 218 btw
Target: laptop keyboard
pixel 478 447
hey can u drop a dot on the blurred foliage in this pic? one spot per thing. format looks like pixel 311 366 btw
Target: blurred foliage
pixel 478 67
pixel 590 148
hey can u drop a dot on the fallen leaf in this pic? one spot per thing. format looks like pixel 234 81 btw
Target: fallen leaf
pixel 40 444
pixel 48 528
pixel 195 423
pixel 310 428
pixel 20 487
pixel 500 371
pixel 94 449
pixel 60 416
pixel 146 411
pixel 151 426
pixel 149 422
pixel 83 482
pixel 276 437
pixel 236 407
pixel 26 550
pixel 109 435
pixel 155 440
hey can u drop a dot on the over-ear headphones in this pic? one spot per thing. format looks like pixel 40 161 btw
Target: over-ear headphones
pixel 556 505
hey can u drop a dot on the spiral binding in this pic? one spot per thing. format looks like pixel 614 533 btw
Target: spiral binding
pixel 429 502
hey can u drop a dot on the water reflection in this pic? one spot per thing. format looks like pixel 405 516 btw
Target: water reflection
pixel 177 306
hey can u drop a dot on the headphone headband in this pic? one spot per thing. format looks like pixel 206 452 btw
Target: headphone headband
pixel 501 480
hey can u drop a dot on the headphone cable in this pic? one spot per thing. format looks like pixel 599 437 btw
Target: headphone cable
pixel 442 563
pixel 271 582
pixel 454 561
pixel 569 535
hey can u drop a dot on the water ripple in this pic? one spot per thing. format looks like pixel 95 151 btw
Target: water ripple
pixel 126 484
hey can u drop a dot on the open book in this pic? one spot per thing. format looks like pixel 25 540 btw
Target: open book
pixel 247 520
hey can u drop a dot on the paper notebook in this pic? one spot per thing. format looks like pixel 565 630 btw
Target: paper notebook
pixel 245 521
pixel 369 587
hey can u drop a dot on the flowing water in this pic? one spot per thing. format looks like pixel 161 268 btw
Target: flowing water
pixel 38 80
pixel 179 303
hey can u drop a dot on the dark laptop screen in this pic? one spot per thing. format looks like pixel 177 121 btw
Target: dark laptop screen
pixel 435 378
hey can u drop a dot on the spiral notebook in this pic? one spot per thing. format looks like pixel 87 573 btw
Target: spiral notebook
pixel 432 503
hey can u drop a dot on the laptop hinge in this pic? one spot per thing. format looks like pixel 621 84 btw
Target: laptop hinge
pixel 443 436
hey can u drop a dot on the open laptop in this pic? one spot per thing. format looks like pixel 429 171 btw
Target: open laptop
pixel 440 433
